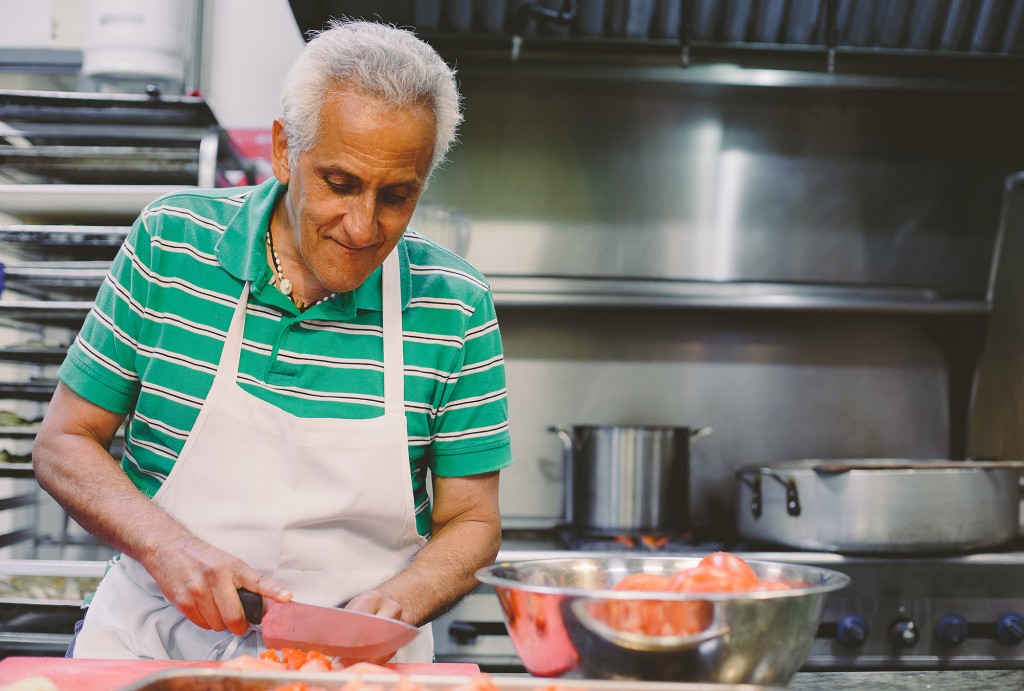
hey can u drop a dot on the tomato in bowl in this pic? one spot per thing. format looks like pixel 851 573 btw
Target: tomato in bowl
pixel 662 618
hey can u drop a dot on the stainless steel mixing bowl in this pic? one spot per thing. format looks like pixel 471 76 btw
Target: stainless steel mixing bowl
pixel 566 621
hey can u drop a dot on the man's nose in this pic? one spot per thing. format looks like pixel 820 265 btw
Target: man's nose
pixel 362 220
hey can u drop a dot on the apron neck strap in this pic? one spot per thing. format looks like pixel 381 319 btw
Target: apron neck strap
pixel 229 357
pixel 394 357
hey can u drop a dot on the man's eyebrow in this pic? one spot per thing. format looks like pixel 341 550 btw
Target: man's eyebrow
pixel 415 185
pixel 336 170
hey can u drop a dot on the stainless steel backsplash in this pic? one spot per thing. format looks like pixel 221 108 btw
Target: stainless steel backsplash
pixel 650 178
pixel 632 175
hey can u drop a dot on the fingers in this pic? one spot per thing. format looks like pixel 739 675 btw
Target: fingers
pixel 264 585
pixel 230 606
pixel 202 582
pixel 224 596
pixel 375 602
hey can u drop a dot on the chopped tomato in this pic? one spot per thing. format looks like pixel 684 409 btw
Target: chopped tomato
pixel 647 582
pixel 316 665
pixel 658 617
pixel 719 572
pixel 270 654
pixel 743 576
pixel 247 662
pixel 689 618
pixel 369 668
pixel 293 658
pixel 705 579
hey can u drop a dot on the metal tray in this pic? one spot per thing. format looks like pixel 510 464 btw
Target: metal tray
pixel 55 280
pixel 67 313
pixel 227 680
pixel 44 203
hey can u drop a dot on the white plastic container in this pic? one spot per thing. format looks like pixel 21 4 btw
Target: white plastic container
pixel 138 41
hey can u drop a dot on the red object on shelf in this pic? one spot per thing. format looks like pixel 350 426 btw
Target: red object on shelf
pixel 109 675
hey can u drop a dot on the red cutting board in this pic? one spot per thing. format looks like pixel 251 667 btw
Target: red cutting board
pixel 108 675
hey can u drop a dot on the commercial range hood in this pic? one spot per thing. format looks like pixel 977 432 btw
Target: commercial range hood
pixel 946 37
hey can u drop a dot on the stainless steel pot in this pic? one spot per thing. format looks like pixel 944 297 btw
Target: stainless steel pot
pixel 880 505
pixel 627 479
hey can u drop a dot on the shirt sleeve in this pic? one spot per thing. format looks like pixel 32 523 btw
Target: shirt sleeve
pixel 101 364
pixel 471 432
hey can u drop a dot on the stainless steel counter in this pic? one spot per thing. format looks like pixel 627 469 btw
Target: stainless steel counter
pixel 946 680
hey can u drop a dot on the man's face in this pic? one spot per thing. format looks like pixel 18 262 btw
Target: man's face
pixel 350 197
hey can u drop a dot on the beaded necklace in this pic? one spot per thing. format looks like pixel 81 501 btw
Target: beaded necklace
pixel 282 283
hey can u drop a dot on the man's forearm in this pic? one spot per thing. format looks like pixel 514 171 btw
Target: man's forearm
pixel 442 572
pixel 96 493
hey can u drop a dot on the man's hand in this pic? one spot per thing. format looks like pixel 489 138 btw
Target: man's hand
pixel 202 581
pixel 71 462
pixel 376 602
pixel 373 602
pixel 465 537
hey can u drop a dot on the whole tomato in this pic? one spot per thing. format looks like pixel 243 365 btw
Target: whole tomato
pixel 743 575
pixel 705 579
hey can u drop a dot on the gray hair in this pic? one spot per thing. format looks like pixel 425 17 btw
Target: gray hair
pixel 374 59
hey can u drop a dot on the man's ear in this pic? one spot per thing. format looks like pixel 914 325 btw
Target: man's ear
pixel 279 153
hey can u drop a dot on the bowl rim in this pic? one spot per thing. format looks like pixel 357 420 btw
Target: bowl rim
pixel 833 580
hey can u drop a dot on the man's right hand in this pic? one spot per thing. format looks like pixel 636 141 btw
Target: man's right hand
pixel 71 462
pixel 202 581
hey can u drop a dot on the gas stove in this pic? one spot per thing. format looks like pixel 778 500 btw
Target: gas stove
pixel 900 612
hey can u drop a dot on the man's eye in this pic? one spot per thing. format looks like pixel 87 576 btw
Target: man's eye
pixel 394 199
pixel 342 187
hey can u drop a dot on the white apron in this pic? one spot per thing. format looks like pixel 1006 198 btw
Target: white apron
pixel 322 505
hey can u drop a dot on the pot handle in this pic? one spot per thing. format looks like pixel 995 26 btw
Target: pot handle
pixel 756 502
pixel 700 432
pixel 568 441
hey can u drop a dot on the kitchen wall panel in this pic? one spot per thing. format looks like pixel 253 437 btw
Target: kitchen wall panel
pixel 772 387
pixel 853 187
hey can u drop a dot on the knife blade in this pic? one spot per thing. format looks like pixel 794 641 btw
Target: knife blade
pixel 330 630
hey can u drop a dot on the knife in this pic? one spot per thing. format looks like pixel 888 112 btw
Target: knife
pixel 329 630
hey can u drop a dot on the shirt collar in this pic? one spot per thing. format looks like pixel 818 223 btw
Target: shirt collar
pixel 242 252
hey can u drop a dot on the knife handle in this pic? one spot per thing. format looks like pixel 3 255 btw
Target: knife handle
pixel 252 605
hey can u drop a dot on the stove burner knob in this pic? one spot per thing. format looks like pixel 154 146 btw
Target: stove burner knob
pixel 951 630
pixel 903 633
pixel 852 631
pixel 1010 629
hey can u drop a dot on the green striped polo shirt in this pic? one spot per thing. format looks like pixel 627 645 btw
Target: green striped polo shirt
pixel 151 344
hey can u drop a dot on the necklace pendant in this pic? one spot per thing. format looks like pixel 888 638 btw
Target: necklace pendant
pixel 286 287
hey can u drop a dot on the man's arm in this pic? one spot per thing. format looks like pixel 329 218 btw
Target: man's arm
pixel 466 534
pixel 71 462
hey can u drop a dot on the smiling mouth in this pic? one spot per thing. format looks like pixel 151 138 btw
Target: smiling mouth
pixel 349 248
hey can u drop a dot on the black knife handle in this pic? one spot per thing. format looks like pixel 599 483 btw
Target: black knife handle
pixel 252 605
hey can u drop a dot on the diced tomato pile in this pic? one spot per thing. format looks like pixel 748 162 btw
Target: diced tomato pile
pixel 295 660
pixel 480 682
pixel 291 659
pixel 720 572
pixel 299 660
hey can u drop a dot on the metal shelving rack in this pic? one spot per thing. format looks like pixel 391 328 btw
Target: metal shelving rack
pixel 75 171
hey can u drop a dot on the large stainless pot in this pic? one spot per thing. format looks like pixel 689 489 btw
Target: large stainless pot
pixel 880 505
pixel 627 479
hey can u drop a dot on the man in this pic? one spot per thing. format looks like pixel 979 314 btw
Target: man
pixel 258 339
